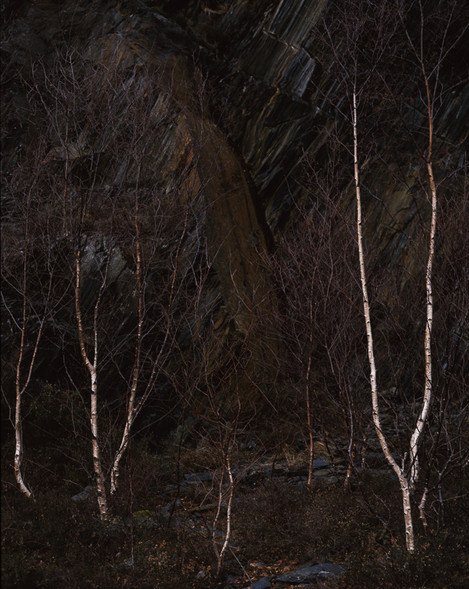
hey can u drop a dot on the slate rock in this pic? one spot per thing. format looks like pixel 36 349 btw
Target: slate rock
pixel 84 495
pixel 321 463
pixel 311 573
pixel 198 477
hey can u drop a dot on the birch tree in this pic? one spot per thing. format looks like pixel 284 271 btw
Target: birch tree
pixel 103 124
pixel 29 267
pixel 361 57
pixel 433 198
pixel 91 363
pixel 134 406
pixel 408 472
pixel 24 366
pixel 403 479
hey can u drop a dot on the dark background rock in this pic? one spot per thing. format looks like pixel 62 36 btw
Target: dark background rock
pixel 247 96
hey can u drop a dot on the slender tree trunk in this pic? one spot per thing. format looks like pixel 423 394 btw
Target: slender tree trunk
pixel 427 397
pixel 309 416
pixel 131 409
pixel 19 393
pixel 403 482
pixel 93 372
pixel 20 387
pixel 351 454
pixel 407 509
pixel 18 418
pixel 422 504
pixel 134 408
pixel 220 554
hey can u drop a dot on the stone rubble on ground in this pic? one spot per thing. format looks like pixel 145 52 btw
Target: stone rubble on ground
pixel 84 495
pixel 263 583
pixel 305 574
pixel 312 573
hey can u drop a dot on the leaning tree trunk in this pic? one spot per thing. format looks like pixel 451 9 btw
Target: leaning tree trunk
pixel 427 397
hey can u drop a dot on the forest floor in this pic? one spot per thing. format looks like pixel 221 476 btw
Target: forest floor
pixel 161 533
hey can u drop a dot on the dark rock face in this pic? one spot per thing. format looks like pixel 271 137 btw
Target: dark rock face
pixel 243 149
pixel 276 58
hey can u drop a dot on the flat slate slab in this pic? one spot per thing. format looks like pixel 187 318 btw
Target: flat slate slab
pixel 321 463
pixel 84 495
pixel 261 584
pixel 312 573
pixel 198 477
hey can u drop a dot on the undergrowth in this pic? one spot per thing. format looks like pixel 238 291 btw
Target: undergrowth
pixel 277 526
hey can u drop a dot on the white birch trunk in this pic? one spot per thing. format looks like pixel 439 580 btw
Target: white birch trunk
pixel 422 504
pixel 19 387
pixel 131 409
pixel 19 393
pixel 228 515
pixel 18 425
pixel 123 445
pixel 403 482
pixel 92 369
pixel 220 553
pixel 427 396
pixel 134 408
